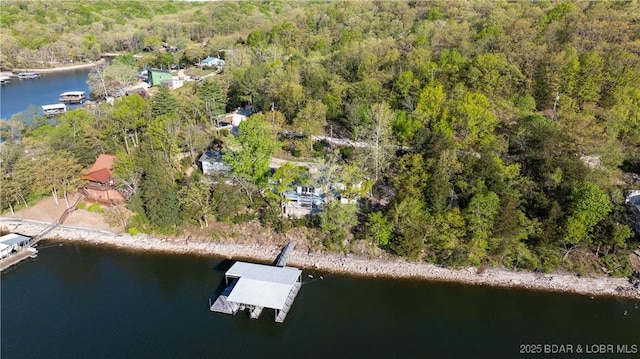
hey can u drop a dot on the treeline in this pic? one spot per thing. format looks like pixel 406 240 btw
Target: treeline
pixel 495 133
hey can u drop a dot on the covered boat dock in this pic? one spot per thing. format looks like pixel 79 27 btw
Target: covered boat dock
pixel 257 286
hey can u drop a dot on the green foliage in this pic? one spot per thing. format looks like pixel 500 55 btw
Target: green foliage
pixel 589 205
pixel 226 201
pixel 95 207
pixel 378 229
pixel 481 215
pixel 336 222
pixel 159 195
pixel 478 116
pixel 409 220
pixel 251 151
pixel 163 103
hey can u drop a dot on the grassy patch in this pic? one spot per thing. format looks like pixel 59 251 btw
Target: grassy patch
pixel 96 208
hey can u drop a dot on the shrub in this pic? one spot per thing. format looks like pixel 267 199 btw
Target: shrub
pixel 96 207
pixel 243 217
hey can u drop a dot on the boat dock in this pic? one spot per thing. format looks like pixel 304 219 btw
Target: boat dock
pixel 254 287
pixel 28 75
pixel 6 263
pixel 14 248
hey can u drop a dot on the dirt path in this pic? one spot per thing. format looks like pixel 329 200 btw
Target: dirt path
pixel 47 210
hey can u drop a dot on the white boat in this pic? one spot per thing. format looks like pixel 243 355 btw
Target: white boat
pixel 33 251
pixel 55 109
pixel 72 97
pixel 28 75
pixel 4 80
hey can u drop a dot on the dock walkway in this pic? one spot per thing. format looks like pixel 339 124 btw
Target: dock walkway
pixel 284 255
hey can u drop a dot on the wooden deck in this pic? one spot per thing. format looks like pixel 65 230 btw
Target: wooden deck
pixel 15 258
pixel 221 305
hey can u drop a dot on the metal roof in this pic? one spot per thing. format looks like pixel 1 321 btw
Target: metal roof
pixel 54 107
pixel 13 238
pixel 262 285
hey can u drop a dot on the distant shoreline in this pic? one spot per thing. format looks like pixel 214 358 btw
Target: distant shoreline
pixel 58 69
pixel 338 263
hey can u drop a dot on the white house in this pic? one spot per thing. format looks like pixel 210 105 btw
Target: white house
pixel 173 83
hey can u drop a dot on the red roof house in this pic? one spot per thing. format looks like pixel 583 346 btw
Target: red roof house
pixel 101 187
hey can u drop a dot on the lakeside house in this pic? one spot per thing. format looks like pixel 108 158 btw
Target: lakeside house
pixel 211 162
pixel 303 201
pixel 633 201
pixel 139 90
pixel 210 62
pixel 100 187
pixel 156 76
pixel 173 83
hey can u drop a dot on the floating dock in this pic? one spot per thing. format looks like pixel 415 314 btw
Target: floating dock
pixel 254 287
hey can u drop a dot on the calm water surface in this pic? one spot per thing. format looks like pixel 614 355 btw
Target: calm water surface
pixel 78 301
pixel 19 95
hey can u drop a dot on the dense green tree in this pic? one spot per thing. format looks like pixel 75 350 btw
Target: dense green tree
pixel 163 103
pixel 589 205
pixel 250 152
pixel 59 173
pixel 195 200
pixel 159 195
pixel 378 229
pixel 481 215
pixel 337 221
pixel 225 201
pixel 409 220
pixel 212 100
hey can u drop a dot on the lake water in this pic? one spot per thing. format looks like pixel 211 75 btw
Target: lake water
pixel 79 301
pixel 19 95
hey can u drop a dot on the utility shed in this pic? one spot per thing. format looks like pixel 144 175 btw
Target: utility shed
pixel 258 286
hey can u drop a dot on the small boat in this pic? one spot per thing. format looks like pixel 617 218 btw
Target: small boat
pixel 33 251
pixel 28 75
pixel 55 109
pixel 4 80
pixel 72 97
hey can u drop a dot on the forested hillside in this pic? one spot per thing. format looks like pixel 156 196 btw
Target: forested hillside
pixel 497 133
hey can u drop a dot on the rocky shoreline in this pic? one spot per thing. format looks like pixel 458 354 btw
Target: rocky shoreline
pixel 337 263
pixel 56 69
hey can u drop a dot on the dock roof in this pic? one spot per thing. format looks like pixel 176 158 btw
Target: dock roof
pixel 72 93
pixel 262 285
pixel 13 238
pixel 54 106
